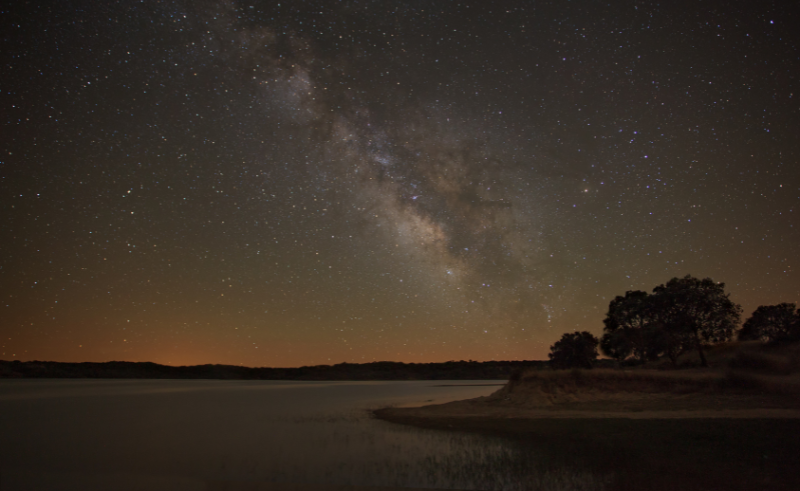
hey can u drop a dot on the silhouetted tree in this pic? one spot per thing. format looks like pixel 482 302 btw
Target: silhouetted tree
pixel 616 345
pixel 627 323
pixel 667 336
pixel 694 312
pixel 574 350
pixel 687 313
pixel 771 323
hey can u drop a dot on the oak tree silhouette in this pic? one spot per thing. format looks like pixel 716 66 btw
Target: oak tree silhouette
pixel 574 350
pixel 772 323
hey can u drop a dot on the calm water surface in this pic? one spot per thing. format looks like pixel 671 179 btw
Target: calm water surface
pixel 194 435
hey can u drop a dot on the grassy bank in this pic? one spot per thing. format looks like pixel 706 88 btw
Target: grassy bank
pixel 718 428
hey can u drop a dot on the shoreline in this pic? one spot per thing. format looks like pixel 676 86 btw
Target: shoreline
pixel 654 407
pixel 612 395
pixel 404 415
pixel 713 448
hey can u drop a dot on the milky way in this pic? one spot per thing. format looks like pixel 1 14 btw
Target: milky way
pixel 318 182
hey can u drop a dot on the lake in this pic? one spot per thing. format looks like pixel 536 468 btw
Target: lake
pixel 209 434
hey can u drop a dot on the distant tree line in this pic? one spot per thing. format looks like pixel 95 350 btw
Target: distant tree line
pixel 686 314
pixel 382 370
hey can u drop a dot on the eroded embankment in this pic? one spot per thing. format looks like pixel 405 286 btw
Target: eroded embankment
pixel 749 384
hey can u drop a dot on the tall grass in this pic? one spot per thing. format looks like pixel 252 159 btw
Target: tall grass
pixel 745 368
pixel 609 380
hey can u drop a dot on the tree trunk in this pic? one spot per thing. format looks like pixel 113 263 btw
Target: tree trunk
pixel 673 356
pixel 703 361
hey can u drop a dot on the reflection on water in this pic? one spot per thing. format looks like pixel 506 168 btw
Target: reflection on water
pixel 174 434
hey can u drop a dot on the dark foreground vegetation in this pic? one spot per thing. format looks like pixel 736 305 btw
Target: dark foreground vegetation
pixel 384 370
pixel 645 428
pixel 684 315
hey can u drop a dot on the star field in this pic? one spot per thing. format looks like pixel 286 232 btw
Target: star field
pixel 294 183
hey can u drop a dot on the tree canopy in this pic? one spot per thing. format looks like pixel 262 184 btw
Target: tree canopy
pixel 629 321
pixel 685 313
pixel 574 350
pixel 773 323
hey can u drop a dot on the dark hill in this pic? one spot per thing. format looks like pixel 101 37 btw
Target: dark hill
pixel 382 370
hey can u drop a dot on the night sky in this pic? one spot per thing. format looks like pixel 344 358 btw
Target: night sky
pixel 294 183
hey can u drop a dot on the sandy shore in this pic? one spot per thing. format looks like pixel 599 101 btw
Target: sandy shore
pixel 493 409
pixel 634 429
pixel 637 440
pixel 603 394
